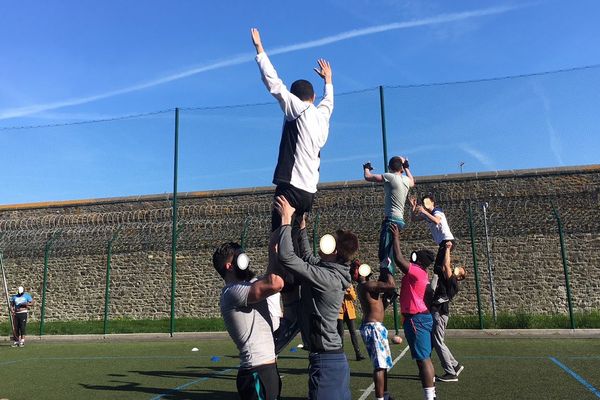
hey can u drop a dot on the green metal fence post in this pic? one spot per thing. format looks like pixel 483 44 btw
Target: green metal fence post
pixel 47 249
pixel 109 247
pixel 174 222
pixel 385 168
pixel 563 252
pixel 383 129
pixel 475 269
pixel 316 235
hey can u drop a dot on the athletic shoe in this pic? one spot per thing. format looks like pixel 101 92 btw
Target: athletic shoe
pixel 359 357
pixel 21 344
pixel 447 378
pixel 15 344
pixel 458 369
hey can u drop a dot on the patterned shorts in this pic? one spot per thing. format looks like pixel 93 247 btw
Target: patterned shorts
pixel 375 336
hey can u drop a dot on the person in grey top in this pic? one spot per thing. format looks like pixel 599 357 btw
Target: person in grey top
pixel 246 315
pixel 396 186
pixel 323 281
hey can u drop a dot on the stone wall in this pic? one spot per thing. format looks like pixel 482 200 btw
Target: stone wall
pixel 522 229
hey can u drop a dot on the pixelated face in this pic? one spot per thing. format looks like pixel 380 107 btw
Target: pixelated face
pixel 459 273
pixel 428 204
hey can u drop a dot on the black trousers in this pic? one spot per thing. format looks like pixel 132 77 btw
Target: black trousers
pixel 20 324
pixel 352 329
pixel 259 383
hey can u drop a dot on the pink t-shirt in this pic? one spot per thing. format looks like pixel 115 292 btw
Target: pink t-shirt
pixel 412 290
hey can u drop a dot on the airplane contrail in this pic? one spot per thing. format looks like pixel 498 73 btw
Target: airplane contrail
pixel 247 57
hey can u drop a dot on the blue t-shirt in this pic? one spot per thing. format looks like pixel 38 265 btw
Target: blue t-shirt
pixel 21 301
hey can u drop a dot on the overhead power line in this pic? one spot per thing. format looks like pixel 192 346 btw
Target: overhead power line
pixel 211 108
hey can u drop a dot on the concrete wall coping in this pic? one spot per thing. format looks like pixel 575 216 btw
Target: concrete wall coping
pixel 507 174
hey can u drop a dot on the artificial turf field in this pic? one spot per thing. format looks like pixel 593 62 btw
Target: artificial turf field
pixel 168 369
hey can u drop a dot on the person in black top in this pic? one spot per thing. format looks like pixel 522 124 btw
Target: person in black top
pixel 448 279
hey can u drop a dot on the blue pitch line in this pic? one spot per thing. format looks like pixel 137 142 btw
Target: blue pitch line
pixel 578 377
pixel 186 385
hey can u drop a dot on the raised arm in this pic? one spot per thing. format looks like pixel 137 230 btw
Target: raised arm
pixel 409 175
pixel 386 286
pixel 399 258
pixel 447 263
pixel 325 107
pixel 369 177
pixel 265 287
pixel 287 257
pixel 291 105
pixel 422 211
pixel 415 216
pixel 304 248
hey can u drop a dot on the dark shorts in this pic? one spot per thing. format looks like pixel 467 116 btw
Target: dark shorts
pixel 417 330
pixel 20 323
pixel 259 383
pixel 328 377
pixel 300 199
pixel 385 237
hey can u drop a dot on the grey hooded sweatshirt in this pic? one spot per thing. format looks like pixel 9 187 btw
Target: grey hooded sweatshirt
pixel 322 287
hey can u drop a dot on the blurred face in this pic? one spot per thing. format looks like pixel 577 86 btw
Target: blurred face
pixel 428 204
pixel 460 273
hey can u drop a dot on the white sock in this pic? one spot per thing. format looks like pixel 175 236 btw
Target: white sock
pixel 429 393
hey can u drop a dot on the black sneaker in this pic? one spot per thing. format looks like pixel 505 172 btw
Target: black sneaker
pixel 360 357
pixel 458 369
pixel 447 378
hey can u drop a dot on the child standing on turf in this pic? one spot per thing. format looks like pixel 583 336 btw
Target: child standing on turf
pixel 396 186
pixel 418 323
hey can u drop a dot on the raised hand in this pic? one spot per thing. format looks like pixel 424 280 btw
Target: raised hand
pixel 256 41
pixel 413 202
pixel 324 70
pixel 395 231
pixel 285 209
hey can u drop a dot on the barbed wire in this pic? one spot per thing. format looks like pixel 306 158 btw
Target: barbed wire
pixel 260 104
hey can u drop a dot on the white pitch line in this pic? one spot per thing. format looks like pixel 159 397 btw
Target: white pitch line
pixel 372 386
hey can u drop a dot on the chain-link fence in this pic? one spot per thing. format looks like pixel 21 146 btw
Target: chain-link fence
pixel 115 258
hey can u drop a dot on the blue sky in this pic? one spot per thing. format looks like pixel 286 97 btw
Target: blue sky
pixel 73 61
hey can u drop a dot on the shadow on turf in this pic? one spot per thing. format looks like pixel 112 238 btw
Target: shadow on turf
pixel 404 377
pixel 165 394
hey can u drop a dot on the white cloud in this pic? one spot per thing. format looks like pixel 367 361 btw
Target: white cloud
pixel 553 136
pixel 479 156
